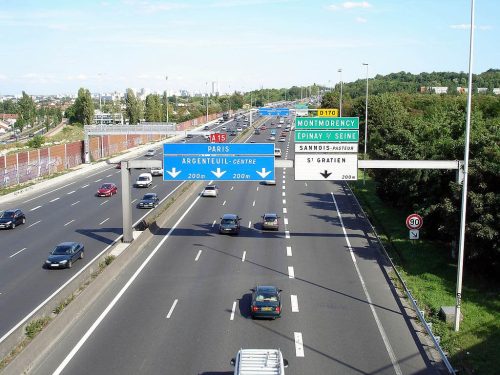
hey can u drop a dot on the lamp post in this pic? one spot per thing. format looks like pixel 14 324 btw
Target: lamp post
pixel 166 92
pixel 206 95
pixel 340 100
pixel 366 120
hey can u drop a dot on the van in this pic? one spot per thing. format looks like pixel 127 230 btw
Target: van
pixel 144 180
pixel 259 361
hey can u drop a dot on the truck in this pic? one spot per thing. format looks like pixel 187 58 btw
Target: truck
pixel 259 361
pixel 225 116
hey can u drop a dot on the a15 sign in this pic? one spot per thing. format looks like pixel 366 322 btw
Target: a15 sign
pixel 218 137
pixel 414 221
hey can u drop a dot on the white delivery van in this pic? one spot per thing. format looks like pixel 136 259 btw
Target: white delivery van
pixel 144 180
pixel 259 361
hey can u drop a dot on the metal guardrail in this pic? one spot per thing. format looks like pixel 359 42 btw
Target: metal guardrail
pixel 417 310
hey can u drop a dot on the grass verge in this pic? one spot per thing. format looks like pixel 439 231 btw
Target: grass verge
pixel 430 274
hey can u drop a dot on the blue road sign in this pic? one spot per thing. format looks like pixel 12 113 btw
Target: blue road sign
pixel 265 111
pixel 218 168
pixel 218 149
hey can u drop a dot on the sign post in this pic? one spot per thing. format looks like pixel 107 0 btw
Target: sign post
pixel 414 222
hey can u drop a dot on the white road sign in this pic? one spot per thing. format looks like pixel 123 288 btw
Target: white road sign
pixel 326 147
pixel 414 234
pixel 326 167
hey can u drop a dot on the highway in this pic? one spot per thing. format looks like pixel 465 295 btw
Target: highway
pixel 182 306
pixel 69 212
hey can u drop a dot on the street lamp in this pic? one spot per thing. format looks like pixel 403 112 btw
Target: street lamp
pixel 206 95
pixel 340 100
pixel 166 92
pixel 366 120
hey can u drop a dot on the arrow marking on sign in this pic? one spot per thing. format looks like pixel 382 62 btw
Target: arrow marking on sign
pixel 263 173
pixel 174 173
pixel 325 174
pixel 218 173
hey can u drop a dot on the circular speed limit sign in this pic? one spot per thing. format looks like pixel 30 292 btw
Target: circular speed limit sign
pixel 414 221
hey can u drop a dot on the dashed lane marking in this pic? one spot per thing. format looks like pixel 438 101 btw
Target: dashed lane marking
pixel 17 252
pixel 285 220
pixel 70 192
pixel 197 256
pixel 295 303
pixel 284 210
pixel 35 223
pixel 102 222
pixel 284 201
pixel 291 272
pixel 288 251
pixel 299 344
pixel 287 234
pixel 233 310
pixel 98 180
pixel 214 223
pixel 75 203
pixel 224 203
pixel 55 199
pixel 172 309
pixel 244 256
pixel 84 186
pixel 35 208
pixel 283 194
pixel 106 201
pixel 69 222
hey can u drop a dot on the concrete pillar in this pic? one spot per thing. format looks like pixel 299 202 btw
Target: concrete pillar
pixel 126 205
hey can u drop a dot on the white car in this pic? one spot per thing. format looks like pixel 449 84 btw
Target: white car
pixel 239 129
pixel 210 191
pixel 144 180
pixel 269 182
pixel 156 171
pixel 151 152
pixel 223 127
pixel 277 152
pixel 279 126
pixel 272 138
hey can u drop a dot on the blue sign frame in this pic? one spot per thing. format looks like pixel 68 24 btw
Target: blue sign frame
pixel 218 149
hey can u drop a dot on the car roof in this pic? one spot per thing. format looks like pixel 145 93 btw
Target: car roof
pixel 270 214
pixel 149 195
pixel 267 288
pixel 229 216
pixel 70 244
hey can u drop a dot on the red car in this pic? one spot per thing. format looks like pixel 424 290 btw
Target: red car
pixel 107 190
pixel 263 127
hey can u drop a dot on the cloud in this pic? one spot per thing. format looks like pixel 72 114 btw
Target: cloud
pixel 361 20
pixel 350 5
pixel 3 77
pixel 466 26
pixel 156 6
pixel 78 77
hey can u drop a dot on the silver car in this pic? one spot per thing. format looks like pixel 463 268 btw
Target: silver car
pixel 210 191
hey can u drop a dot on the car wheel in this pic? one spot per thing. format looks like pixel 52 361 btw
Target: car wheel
pixel 13 225
pixel 70 264
pixel 81 255
pixel 24 220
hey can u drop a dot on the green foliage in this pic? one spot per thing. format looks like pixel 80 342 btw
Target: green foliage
pixel 82 110
pixel 36 326
pixel 36 142
pixel 26 111
pixel 132 107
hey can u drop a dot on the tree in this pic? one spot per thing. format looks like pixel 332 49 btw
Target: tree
pixel 132 107
pixel 84 107
pixel 36 142
pixel 26 112
pixel 153 112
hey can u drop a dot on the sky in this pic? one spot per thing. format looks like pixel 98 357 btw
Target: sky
pixel 58 46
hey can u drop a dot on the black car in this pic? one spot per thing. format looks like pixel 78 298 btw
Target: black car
pixel 229 223
pixel 233 133
pixel 11 218
pixel 64 255
pixel 266 302
pixel 149 200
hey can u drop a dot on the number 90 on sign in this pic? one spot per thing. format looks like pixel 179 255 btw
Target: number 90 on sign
pixel 414 221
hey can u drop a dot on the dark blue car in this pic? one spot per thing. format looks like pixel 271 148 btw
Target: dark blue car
pixel 64 255
pixel 149 200
pixel 11 218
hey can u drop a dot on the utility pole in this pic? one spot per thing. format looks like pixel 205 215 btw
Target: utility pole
pixel 340 101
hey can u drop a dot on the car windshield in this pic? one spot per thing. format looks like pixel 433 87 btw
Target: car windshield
pixel 143 178
pixel 6 214
pixel 61 250
pixel 210 188
pixel 270 218
pixel 106 186
pixel 149 196
pixel 261 297
pixel 228 221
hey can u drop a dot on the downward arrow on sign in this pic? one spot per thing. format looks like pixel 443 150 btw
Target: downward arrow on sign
pixel 263 173
pixel 325 174
pixel 174 173
pixel 218 173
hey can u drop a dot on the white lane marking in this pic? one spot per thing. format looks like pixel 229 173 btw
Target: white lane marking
pixel 284 181
pixel 197 256
pixel 244 256
pixel 102 222
pixel 154 187
pixel 284 210
pixel 388 346
pixel 291 272
pixel 172 309
pixel 75 203
pixel 214 223
pixel 288 251
pixel 285 220
pixel 287 234
pixel 106 201
pixel 69 222
pixel 70 192
pixel 224 203
pixel 299 344
pixel 35 223
pixel 257 188
pixel 109 175
pixel 98 180
pixel 106 311
pixel 55 199
pixel 17 252
pixel 118 172
pixel 35 208
pixel 250 224
pixel 295 303
pixel 284 187
pixel 84 186
pixel 233 310
pixel 305 183
pixel 284 201
pixel 134 200
pixel 283 194
pixel 253 204
pixel 232 187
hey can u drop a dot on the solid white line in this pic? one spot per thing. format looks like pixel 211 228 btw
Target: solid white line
pixel 172 309
pixel 197 256
pixel 253 204
pixel 55 199
pixel 98 180
pixel 87 334
pixel 285 220
pixel 283 194
pixel 244 256
pixel 134 200
pixel 233 310
pixel 284 210
pixel 250 224
pixel 214 223
pixel 387 344
pixel 70 192
pixel 75 203
pixel 35 208
pixel 84 186
pixel 287 234
pixel 107 200
pixel 291 272
pixel 13 255
pixel 284 201
pixel 102 222
pixel 35 223
pixel 299 344
pixel 224 203
pixel 295 303
pixel 288 251
pixel 69 222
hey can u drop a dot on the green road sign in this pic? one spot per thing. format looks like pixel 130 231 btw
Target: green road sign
pixel 327 136
pixel 327 123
